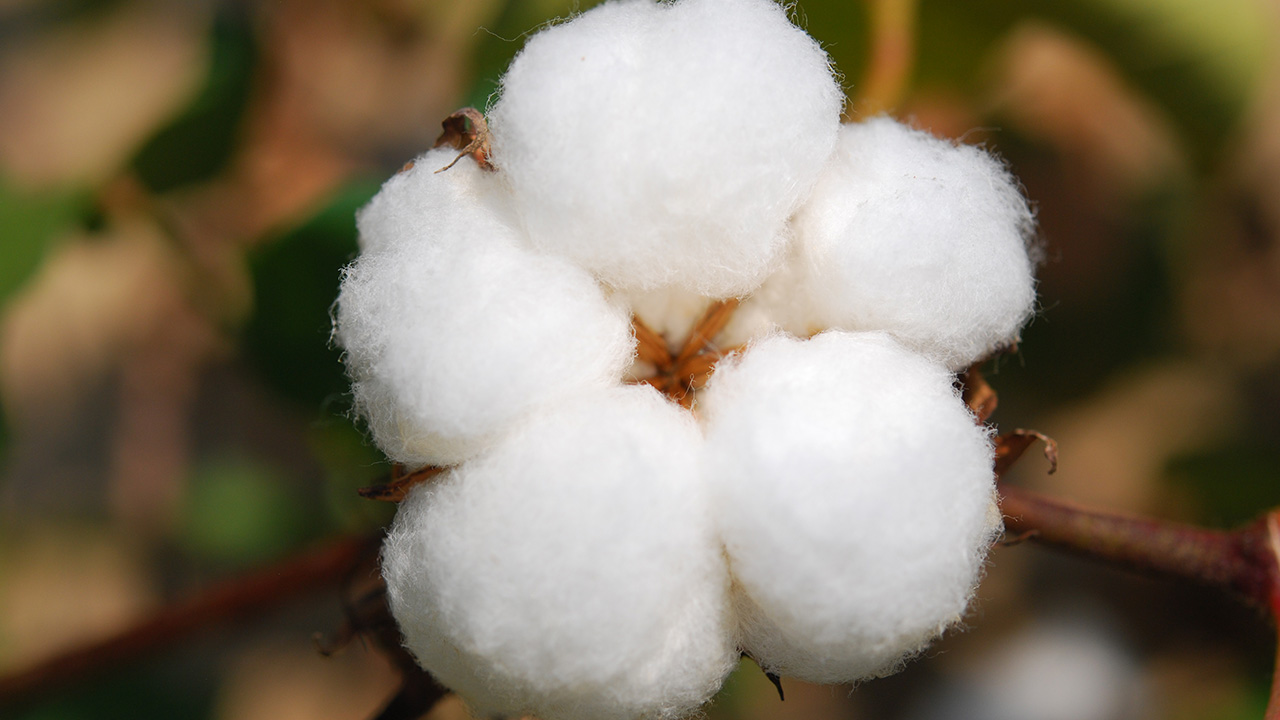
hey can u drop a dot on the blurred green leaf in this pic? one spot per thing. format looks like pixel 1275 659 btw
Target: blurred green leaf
pixel 4 439
pixel 1201 62
pixel 735 697
pixel 295 282
pixel 241 512
pixel 350 462
pixel 1229 39
pixel 148 692
pixel 955 40
pixel 1233 483
pixel 200 141
pixel 31 221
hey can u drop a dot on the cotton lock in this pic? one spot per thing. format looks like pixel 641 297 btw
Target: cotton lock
pixel 919 237
pixel 453 329
pixel 852 489
pixel 667 144
pixel 571 572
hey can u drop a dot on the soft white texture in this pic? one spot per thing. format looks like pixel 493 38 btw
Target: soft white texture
pixel 664 144
pixel 452 329
pixel 668 311
pixel 572 572
pixel 919 237
pixel 781 304
pixel 852 488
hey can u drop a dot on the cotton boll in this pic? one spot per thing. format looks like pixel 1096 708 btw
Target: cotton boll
pixel 921 238
pixel 661 144
pixel 571 572
pixel 852 488
pixel 453 331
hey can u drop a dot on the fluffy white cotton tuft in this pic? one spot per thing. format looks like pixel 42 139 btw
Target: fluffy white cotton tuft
pixel 452 329
pixel 852 488
pixel 919 237
pixel 572 572
pixel 659 143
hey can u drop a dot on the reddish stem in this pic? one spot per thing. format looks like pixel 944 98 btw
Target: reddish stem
pixel 1273 704
pixel 226 602
pixel 1236 559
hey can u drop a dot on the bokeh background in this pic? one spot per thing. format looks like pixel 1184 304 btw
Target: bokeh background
pixel 177 189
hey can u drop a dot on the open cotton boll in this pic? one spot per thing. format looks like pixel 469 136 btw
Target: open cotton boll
pixel 852 489
pixel 922 238
pixel 572 572
pixel 661 144
pixel 452 330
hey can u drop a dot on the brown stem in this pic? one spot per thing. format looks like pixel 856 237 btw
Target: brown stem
pixel 397 487
pixel 1272 522
pixel 893 28
pixel 1240 560
pixel 226 602
pixel 1273 703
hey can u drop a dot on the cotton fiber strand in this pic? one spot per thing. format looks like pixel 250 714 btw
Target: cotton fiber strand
pixel 922 238
pixel 852 488
pixel 661 144
pixel 453 330
pixel 572 572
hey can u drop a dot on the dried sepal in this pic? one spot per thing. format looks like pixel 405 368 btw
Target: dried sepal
pixel 650 347
pixel 467 131
pixel 978 394
pixel 1011 446
pixel 707 328
pixel 679 374
pixel 395 489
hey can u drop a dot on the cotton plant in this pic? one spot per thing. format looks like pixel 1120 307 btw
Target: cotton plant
pixel 681 349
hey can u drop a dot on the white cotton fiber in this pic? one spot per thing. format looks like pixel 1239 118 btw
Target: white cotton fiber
pixel 669 311
pixel 658 143
pixel 453 330
pixel 852 488
pixel 781 304
pixel 919 237
pixel 572 572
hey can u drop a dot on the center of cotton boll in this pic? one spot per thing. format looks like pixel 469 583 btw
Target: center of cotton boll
pixel 678 389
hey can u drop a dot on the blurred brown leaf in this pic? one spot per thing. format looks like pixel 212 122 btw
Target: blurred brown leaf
pixel 62 585
pixel 79 100
pixel 93 300
pixel 287 680
pixel 1116 443
pixel 1054 85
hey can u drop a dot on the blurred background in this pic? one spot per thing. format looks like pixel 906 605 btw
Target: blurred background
pixel 177 189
